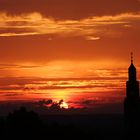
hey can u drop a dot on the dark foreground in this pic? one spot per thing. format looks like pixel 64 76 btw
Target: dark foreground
pixel 22 124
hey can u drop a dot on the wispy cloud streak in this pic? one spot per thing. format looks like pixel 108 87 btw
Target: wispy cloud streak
pixel 37 24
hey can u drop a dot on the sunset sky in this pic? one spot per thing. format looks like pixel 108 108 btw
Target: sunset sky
pixel 67 49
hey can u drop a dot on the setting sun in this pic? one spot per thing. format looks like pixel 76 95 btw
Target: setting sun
pixel 64 105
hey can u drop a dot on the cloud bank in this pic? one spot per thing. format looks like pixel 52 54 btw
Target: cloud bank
pixel 91 28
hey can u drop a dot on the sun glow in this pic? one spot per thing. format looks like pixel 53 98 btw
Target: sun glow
pixel 64 105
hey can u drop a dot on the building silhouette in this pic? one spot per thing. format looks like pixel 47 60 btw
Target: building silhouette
pixel 132 100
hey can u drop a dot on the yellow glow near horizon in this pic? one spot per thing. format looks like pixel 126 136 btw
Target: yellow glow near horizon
pixel 64 105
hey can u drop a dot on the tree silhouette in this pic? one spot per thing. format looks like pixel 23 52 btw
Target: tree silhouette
pixel 24 123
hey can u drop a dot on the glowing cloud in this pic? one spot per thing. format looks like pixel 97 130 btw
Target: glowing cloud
pixel 92 38
pixel 36 24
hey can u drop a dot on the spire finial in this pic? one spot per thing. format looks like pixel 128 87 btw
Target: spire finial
pixel 132 57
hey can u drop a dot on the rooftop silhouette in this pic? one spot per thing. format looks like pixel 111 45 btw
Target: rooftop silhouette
pixel 132 101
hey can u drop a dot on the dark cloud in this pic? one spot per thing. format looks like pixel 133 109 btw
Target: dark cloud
pixel 16 81
pixel 15 30
pixel 12 94
pixel 11 66
pixel 70 9
pixel 44 102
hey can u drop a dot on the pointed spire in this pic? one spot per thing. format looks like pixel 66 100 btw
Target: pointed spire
pixel 132 70
pixel 131 57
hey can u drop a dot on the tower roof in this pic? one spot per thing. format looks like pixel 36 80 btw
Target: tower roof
pixel 132 67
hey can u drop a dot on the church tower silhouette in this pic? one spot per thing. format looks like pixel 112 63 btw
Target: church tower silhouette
pixel 132 85
pixel 132 100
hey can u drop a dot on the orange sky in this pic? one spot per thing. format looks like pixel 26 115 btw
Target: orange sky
pixel 68 39
pixel 61 34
